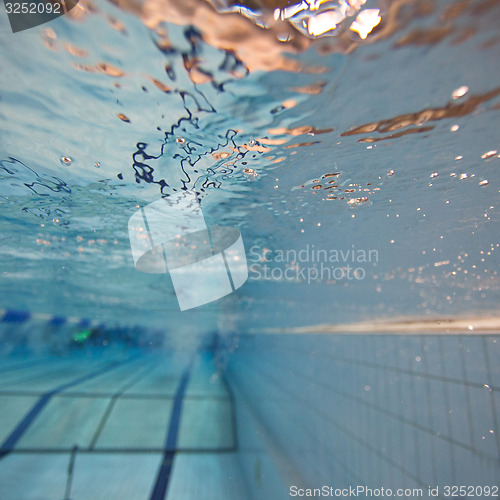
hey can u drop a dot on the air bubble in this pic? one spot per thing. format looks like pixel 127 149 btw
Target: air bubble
pixel 123 118
pixel 97 164
pixel 66 160
pixel 460 92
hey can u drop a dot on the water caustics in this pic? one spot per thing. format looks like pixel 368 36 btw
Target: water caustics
pixel 322 124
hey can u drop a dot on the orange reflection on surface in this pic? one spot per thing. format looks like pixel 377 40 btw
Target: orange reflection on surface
pixel 450 110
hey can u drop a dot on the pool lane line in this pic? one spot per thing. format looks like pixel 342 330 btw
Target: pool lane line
pixel 163 475
pixel 18 316
pixel 13 316
pixel 28 419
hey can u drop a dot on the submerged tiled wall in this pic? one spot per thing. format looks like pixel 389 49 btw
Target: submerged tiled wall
pixel 390 411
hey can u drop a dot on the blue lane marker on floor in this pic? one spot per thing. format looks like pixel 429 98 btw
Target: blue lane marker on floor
pixel 28 419
pixel 163 476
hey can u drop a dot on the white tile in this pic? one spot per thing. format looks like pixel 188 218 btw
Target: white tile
pixel 452 361
pixel 110 381
pixel 65 422
pixel 445 462
pixel 474 470
pixel 33 476
pixel 106 476
pixel 136 424
pixel 483 421
pixel 411 350
pixel 475 362
pixel 163 380
pixel 206 424
pixel 492 348
pixel 218 477
pixel 426 457
pixel 459 417
pixel 438 408
pixel 12 410
pixel 431 358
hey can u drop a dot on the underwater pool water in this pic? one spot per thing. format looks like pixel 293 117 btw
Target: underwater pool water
pixel 354 146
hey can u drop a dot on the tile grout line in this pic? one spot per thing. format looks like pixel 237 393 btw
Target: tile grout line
pixel 370 364
pixel 69 478
pixel 74 394
pixel 408 422
pixel 113 401
pixel 13 438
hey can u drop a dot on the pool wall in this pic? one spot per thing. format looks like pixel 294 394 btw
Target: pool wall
pixel 390 411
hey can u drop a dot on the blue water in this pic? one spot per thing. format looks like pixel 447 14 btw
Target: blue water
pixel 363 176
pixel 64 225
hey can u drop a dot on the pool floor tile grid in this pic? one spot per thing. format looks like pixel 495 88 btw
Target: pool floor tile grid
pixel 207 476
pixel 106 476
pixel 127 407
pixel 64 423
pixel 102 438
pixel 40 476
pixel 389 411
pixel 12 410
pixel 112 476
pixel 135 424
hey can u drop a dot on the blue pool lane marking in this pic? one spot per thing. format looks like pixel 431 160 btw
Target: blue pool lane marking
pixel 13 316
pixel 163 476
pixel 14 437
pixel 57 321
